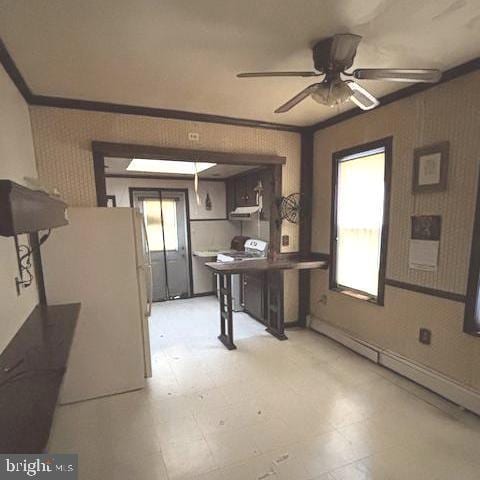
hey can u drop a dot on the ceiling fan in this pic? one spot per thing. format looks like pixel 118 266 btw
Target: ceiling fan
pixel 331 57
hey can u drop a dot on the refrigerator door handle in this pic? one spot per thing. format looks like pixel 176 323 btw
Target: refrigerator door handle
pixel 148 265
pixel 150 291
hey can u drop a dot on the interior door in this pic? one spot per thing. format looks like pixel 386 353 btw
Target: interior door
pixel 165 217
pixel 176 243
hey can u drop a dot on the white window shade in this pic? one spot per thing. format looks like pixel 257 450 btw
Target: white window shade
pixel 360 200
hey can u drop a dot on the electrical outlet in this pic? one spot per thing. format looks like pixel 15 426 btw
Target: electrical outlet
pixel 193 136
pixel 285 240
pixel 425 336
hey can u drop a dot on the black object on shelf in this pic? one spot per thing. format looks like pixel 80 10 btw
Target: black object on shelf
pixel 23 210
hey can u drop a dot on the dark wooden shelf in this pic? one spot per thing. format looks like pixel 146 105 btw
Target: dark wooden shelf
pixel 23 210
pixel 35 360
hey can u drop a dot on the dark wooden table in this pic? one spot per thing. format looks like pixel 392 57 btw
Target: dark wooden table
pixel 273 270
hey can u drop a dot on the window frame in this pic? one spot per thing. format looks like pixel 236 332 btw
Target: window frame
pixel 470 324
pixel 387 144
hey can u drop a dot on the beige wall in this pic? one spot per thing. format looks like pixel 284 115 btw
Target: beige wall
pixel 450 111
pixel 63 137
pixel 216 190
pixel 16 161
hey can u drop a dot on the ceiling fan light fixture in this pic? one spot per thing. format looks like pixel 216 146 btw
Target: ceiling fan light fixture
pixel 332 94
pixel 332 56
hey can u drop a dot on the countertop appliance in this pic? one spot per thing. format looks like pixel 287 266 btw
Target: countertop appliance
pixel 101 259
pixel 253 250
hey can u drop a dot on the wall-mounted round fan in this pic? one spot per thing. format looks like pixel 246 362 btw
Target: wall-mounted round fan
pixel 290 207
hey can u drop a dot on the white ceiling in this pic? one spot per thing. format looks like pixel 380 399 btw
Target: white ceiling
pixel 184 54
pixel 118 166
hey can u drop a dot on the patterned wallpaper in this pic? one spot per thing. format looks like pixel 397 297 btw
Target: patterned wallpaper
pixel 63 137
pixel 449 111
pixel 62 140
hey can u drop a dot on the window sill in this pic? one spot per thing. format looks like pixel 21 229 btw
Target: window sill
pixel 364 297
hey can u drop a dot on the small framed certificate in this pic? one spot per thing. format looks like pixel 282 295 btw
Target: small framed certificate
pixel 430 168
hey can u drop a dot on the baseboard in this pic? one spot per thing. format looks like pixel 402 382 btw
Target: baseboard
pixel 430 379
pixel 296 324
pixel 434 381
pixel 203 294
pixel 342 337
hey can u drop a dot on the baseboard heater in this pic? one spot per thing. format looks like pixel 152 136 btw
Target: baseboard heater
pixel 434 381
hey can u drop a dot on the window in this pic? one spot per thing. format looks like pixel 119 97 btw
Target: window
pixel 472 307
pixel 360 204
pixel 153 222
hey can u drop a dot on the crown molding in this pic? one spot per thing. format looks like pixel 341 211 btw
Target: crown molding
pixel 447 75
pixel 59 102
pixel 14 73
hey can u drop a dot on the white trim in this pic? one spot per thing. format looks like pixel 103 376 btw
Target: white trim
pixel 342 337
pixel 434 381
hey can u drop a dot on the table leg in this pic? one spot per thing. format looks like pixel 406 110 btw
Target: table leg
pixel 226 311
pixel 275 305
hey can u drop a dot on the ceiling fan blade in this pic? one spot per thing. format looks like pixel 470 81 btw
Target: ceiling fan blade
pixel 278 74
pixel 297 99
pixel 399 74
pixel 344 49
pixel 362 98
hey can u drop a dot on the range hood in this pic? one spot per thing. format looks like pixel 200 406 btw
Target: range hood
pixel 245 213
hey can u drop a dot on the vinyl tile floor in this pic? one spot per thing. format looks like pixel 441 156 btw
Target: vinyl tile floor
pixel 302 409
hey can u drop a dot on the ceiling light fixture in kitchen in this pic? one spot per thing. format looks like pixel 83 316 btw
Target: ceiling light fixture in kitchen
pixel 168 166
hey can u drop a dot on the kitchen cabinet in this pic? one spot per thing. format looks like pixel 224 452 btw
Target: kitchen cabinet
pixel 241 190
pixel 254 295
pixel 241 194
pixel 251 182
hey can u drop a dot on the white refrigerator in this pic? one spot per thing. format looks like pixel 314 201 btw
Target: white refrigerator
pixel 101 260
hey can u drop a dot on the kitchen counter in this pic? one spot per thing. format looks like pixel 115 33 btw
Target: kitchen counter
pixel 207 253
pixel 262 265
pixel 272 271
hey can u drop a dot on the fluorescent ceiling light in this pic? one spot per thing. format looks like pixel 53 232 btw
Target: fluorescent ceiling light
pixel 168 166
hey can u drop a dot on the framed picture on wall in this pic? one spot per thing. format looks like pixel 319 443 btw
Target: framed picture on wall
pixel 111 201
pixel 430 168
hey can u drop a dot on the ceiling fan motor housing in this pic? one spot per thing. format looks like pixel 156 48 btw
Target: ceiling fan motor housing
pixel 330 54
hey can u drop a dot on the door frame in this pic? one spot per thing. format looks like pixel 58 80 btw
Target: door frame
pixel 100 150
pixel 131 191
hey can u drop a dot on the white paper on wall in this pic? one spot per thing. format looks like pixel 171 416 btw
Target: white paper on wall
pixel 423 255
